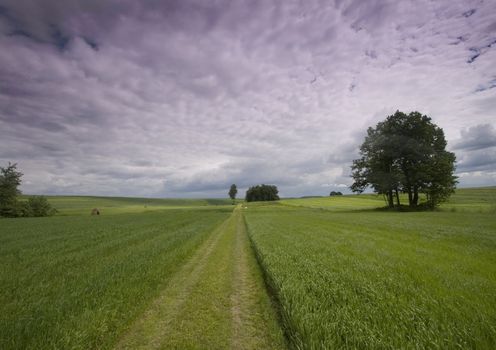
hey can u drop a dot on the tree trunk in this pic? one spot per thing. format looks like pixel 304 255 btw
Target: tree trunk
pixel 390 199
pixel 397 197
pixel 410 196
pixel 415 196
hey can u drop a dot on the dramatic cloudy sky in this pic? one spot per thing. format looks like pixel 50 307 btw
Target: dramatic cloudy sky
pixel 182 98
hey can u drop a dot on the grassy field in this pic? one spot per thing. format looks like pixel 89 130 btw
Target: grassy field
pixel 194 274
pixel 180 277
pixel 481 199
pixel 341 203
pixel 78 282
pixel 347 277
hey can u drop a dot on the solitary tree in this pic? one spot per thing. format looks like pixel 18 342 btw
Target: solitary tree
pixel 10 180
pixel 406 153
pixel 232 192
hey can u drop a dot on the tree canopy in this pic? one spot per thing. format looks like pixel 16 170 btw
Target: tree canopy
pixel 262 193
pixel 10 180
pixel 406 153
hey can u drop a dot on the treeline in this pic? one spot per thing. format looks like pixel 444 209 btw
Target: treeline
pixel 10 203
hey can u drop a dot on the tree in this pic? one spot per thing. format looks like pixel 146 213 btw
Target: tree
pixel 10 180
pixel 262 193
pixel 335 193
pixel 232 192
pixel 406 153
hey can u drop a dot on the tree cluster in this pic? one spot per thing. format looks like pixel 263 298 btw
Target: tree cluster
pixel 406 153
pixel 335 193
pixel 262 193
pixel 10 205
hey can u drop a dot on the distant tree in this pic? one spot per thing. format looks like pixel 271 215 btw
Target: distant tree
pixel 262 193
pixel 406 153
pixel 335 193
pixel 10 180
pixel 233 191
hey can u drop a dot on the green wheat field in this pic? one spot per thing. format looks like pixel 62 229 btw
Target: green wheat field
pixel 312 273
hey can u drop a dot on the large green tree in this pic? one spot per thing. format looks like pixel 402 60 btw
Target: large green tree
pixel 10 180
pixel 406 153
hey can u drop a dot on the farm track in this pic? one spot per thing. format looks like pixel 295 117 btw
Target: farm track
pixel 217 300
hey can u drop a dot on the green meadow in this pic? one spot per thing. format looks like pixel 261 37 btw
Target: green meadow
pixel 368 279
pixel 77 282
pixel 312 273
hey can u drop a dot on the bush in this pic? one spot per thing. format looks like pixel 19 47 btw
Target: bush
pixel 35 206
pixel 39 206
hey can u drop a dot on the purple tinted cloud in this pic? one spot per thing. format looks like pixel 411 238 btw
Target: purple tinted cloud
pixel 183 98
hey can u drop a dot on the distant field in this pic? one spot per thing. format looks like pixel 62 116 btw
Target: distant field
pixel 350 202
pixel 82 205
pixel 347 277
pixel 481 199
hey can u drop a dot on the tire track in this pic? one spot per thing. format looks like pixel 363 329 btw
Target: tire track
pixel 149 330
pixel 217 300
pixel 254 320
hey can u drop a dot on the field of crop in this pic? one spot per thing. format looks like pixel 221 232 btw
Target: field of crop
pixel 368 279
pixel 189 274
pixel 72 282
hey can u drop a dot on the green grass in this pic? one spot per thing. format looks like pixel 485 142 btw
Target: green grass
pixel 168 273
pixel 82 205
pixel 77 282
pixel 350 202
pixel 482 199
pixel 346 277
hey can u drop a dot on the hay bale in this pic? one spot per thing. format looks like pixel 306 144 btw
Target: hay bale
pixel 95 211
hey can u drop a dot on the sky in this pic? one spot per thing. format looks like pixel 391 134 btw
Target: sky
pixel 183 98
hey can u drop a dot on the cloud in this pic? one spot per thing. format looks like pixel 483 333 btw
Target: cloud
pixel 476 150
pixel 476 138
pixel 478 161
pixel 184 98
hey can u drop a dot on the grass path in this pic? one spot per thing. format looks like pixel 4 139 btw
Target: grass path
pixel 216 301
